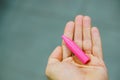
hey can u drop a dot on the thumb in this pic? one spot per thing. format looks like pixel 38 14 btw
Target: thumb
pixel 56 55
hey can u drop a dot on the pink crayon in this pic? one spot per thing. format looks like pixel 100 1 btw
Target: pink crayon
pixel 76 50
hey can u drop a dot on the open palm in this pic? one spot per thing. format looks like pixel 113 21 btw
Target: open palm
pixel 63 65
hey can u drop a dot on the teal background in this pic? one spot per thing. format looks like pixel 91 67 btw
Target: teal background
pixel 31 29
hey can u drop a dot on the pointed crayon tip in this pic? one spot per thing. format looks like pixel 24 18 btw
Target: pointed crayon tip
pixel 63 37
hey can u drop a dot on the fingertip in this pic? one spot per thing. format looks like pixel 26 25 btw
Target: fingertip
pixel 69 27
pixel 87 22
pixel 56 52
pixel 58 47
pixel 70 23
pixel 95 31
pixel 87 18
pixel 94 28
pixel 78 17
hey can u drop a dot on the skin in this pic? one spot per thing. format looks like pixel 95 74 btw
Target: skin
pixel 63 65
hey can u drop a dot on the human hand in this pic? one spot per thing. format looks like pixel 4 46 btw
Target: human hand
pixel 62 65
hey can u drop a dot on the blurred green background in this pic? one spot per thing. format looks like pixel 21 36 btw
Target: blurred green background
pixel 31 29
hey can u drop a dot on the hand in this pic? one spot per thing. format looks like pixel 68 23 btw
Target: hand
pixel 63 65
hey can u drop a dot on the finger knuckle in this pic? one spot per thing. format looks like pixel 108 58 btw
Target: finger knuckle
pixel 79 43
pixel 87 45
